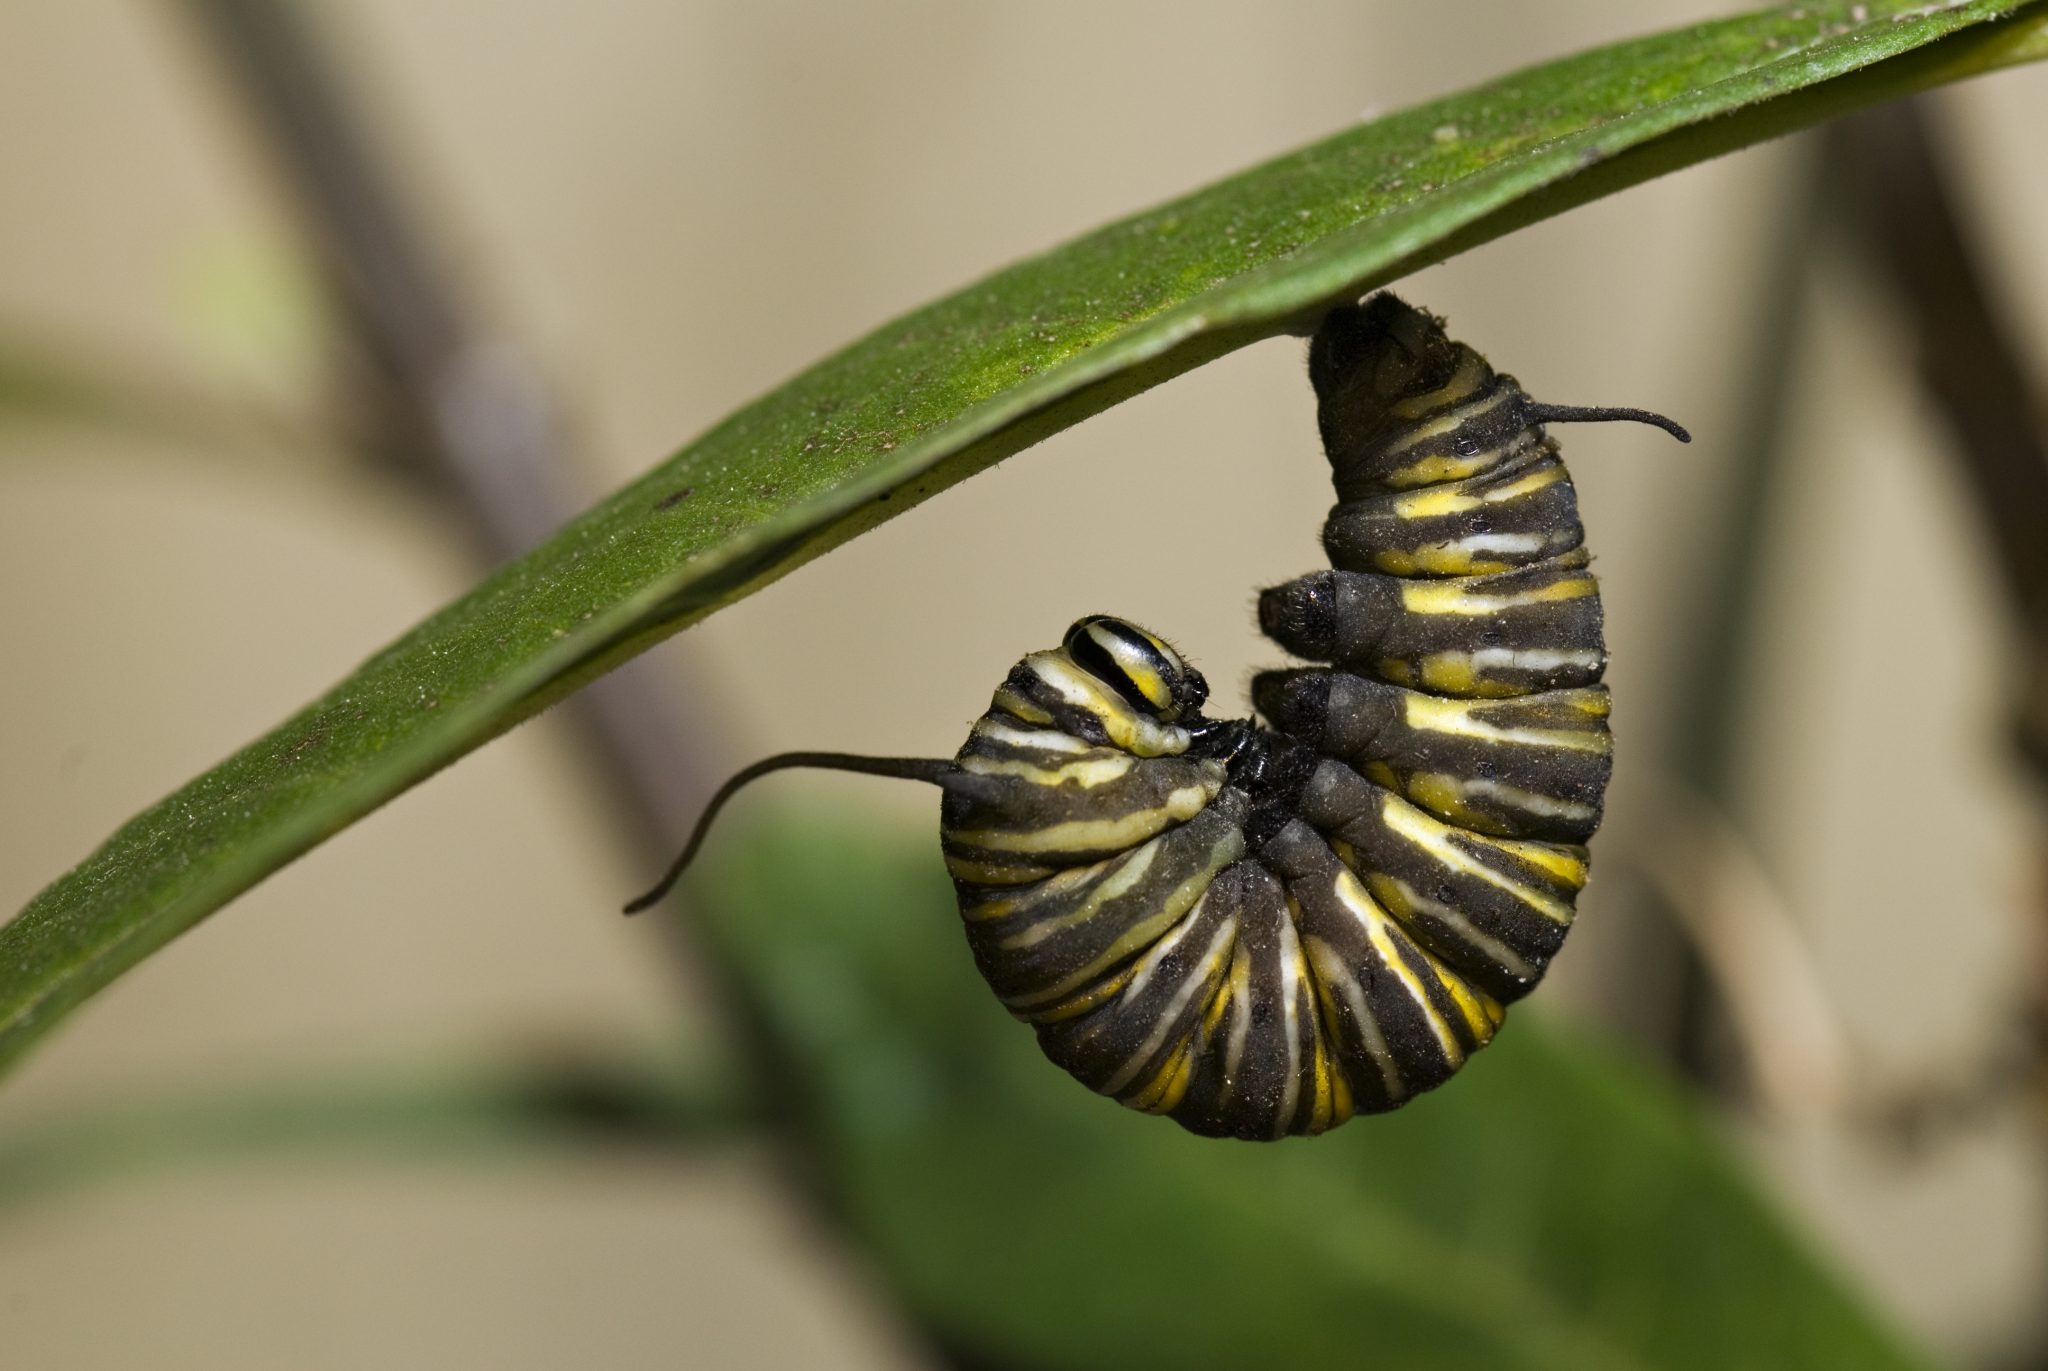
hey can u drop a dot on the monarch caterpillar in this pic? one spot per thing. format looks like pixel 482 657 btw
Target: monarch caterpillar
pixel 1261 930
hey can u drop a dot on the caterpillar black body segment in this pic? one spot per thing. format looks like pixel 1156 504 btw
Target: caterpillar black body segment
pixel 1504 633
pixel 1261 930
pixel 1326 916
pixel 1507 517
pixel 1528 766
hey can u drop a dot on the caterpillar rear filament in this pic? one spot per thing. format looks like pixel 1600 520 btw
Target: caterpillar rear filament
pixel 1263 929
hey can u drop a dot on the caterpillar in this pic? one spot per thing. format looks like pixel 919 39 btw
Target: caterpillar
pixel 1262 929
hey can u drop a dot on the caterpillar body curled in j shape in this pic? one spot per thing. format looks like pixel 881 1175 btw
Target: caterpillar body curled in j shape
pixel 1261 929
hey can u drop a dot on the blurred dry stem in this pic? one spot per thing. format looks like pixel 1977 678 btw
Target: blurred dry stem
pixel 1879 179
pixel 1753 957
pixel 460 408
pixel 1696 860
pixel 1890 167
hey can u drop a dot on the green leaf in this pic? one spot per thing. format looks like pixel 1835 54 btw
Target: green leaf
pixel 1553 1207
pixel 947 390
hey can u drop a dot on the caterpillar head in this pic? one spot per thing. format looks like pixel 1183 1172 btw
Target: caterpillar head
pixel 1138 666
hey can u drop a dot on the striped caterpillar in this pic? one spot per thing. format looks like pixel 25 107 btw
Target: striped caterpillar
pixel 1262 929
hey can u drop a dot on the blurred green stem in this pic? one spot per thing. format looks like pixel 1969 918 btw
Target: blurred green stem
pixel 569 1102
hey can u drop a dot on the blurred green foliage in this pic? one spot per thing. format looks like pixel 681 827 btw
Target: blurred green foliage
pixel 1556 1206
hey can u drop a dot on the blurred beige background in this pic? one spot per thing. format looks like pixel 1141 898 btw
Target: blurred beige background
pixel 675 206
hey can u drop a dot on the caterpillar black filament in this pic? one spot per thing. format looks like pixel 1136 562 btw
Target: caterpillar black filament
pixel 1263 930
